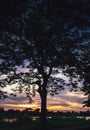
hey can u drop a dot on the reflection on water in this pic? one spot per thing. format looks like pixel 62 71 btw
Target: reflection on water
pixel 87 118
pixel 49 117
pixel 84 117
pixel 10 120
pixel 34 118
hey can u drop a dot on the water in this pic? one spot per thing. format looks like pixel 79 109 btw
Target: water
pixel 34 118
pixel 83 117
pixel 49 117
pixel 10 120
pixel 88 118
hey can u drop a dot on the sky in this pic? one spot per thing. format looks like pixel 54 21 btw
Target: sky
pixel 64 101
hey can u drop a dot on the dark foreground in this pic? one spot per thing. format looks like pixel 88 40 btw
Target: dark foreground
pixel 53 124
pixel 87 128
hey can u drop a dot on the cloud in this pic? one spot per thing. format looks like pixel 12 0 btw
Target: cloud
pixel 60 104
pixel 20 98
pixel 65 100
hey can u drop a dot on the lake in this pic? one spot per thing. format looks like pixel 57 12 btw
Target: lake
pixel 83 117
pixel 10 120
pixel 34 118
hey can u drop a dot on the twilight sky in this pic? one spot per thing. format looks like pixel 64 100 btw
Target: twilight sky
pixel 64 101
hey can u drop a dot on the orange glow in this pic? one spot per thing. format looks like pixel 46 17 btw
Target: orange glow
pixel 58 108
pixel 20 106
pixel 74 106
pixel 66 101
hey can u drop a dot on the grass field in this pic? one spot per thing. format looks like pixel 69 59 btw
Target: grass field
pixel 54 123
pixel 70 122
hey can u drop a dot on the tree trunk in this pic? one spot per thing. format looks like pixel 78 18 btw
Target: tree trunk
pixel 43 96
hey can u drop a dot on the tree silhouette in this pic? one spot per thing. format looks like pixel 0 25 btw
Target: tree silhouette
pixel 12 7
pixel 37 46
pixel 83 70
pixel 1 113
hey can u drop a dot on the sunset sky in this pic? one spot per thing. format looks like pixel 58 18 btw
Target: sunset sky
pixel 64 101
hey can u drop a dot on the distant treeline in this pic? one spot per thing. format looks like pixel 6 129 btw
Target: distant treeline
pixel 29 112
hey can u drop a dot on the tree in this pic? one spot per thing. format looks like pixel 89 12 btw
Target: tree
pixel 12 7
pixel 42 43
pixel 1 113
pixel 83 70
